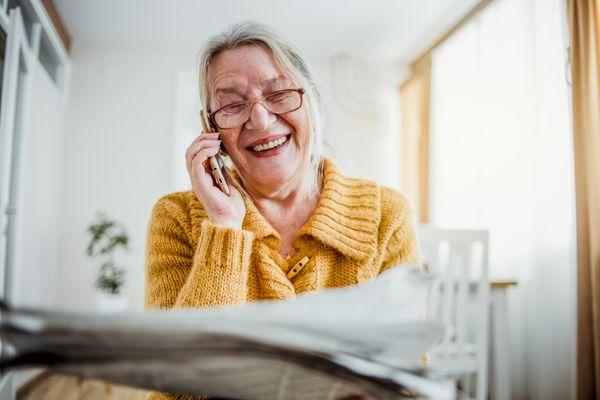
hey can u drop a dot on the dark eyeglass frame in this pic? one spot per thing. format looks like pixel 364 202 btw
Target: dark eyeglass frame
pixel 250 103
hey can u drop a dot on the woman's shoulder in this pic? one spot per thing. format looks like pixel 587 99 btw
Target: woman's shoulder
pixel 387 197
pixel 367 192
pixel 393 200
pixel 175 200
pixel 179 205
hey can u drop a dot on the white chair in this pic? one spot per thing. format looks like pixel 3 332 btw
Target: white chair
pixel 457 261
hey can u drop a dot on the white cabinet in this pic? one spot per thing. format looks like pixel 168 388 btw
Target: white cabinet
pixel 34 81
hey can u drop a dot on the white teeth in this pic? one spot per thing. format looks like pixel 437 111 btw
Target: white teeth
pixel 270 145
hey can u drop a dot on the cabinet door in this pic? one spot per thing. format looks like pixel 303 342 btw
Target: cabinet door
pixel 14 79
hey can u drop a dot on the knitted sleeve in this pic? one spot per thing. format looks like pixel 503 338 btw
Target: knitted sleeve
pixel 180 273
pixel 397 232
pixel 214 272
pixel 172 396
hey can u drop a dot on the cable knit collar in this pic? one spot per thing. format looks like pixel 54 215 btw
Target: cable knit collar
pixel 346 217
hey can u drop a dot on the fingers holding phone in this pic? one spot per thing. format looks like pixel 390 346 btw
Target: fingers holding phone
pixel 215 162
pixel 221 209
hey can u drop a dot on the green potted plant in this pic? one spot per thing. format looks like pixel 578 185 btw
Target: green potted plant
pixel 107 238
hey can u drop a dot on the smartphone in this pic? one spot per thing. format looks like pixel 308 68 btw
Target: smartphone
pixel 216 163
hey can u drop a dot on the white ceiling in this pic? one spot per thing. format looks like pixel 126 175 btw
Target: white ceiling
pixel 391 30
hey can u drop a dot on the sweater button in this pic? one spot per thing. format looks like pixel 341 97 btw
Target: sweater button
pixel 296 269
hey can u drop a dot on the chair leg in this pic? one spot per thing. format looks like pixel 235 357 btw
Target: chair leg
pixel 481 386
pixel 468 386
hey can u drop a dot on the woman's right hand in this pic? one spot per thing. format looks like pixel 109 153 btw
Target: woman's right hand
pixel 222 210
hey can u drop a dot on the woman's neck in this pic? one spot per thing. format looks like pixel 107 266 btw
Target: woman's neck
pixel 296 189
pixel 287 216
pixel 287 209
pixel 283 204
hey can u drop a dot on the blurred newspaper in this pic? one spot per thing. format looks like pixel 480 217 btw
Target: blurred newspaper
pixel 364 340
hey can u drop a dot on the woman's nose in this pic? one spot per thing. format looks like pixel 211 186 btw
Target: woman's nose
pixel 260 118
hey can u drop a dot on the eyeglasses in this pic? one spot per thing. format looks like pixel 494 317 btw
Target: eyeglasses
pixel 279 102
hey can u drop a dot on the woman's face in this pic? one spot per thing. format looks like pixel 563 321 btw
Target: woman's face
pixel 250 72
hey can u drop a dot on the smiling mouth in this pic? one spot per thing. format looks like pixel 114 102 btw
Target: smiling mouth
pixel 273 144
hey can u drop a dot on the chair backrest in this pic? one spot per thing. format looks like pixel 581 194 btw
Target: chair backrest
pixel 457 261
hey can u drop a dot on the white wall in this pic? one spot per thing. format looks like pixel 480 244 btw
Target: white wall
pixel 116 156
pixel 361 127
pixel 129 119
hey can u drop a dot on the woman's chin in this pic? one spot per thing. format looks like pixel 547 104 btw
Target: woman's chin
pixel 273 176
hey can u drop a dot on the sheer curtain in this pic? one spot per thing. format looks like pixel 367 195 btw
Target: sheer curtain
pixel 501 159
pixel 415 96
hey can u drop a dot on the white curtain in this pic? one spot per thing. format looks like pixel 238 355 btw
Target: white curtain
pixel 501 159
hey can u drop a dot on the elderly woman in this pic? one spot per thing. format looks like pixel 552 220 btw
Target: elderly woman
pixel 293 223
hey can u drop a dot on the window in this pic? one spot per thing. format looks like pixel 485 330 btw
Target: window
pixel 11 119
pixel 29 17
pixel 501 159
pixel 49 59
pixel 2 243
pixel 14 172
pixel 2 55
pixel 50 54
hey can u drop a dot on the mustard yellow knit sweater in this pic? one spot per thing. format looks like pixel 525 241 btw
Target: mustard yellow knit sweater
pixel 357 230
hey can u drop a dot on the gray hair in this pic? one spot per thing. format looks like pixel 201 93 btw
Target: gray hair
pixel 291 62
